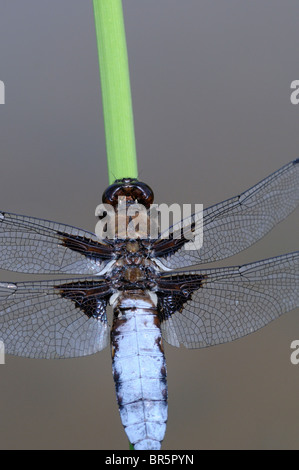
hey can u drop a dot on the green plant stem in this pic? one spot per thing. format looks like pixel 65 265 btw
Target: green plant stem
pixel 116 91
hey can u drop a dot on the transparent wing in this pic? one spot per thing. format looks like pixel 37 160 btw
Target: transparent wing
pixel 31 245
pixel 54 319
pixel 230 302
pixel 235 224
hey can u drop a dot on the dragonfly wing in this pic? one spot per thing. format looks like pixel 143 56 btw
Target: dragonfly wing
pixel 207 307
pixel 31 245
pixel 235 224
pixel 54 319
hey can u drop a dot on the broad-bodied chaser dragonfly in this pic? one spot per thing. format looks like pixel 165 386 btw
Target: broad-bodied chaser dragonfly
pixel 152 297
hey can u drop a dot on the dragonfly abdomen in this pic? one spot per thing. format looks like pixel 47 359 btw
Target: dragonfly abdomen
pixel 139 369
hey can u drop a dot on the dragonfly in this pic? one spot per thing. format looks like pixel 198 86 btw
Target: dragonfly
pixel 154 286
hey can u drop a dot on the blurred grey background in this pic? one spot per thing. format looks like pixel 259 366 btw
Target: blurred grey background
pixel 211 96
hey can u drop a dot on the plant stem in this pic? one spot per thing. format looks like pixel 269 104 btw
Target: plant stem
pixel 116 91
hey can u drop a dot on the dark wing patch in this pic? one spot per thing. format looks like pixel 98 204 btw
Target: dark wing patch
pixel 168 246
pixel 174 291
pixel 87 246
pixel 231 302
pixel 91 297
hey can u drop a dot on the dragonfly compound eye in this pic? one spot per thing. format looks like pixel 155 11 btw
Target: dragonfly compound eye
pixel 133 190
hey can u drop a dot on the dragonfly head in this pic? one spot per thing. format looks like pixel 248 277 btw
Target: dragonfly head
pixel 130 188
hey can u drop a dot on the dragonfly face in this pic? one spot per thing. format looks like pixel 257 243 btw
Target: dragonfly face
pixel 152 297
